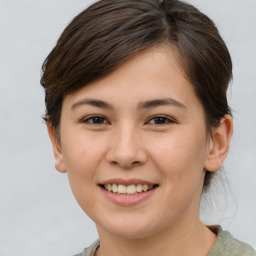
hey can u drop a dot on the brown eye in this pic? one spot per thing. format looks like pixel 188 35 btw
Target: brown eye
pixel 95 120
pixel 160 120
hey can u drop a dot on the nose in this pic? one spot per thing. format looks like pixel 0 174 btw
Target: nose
pixel 126 148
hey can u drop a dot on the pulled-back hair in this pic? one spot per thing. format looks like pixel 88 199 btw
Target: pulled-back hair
pixel 109 32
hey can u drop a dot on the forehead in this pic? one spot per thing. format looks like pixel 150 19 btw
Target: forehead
pixel 148 75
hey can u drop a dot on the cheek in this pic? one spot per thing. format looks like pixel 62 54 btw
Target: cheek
pixel 82 158
pixel 81 154
pixel 180 159
pixel 179 152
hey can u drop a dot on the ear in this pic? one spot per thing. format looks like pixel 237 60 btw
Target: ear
pixel 219 144
pixel 58 155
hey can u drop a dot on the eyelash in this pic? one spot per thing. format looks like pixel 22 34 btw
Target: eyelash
pixel 93 118
pixel 164 120
pixel 159 120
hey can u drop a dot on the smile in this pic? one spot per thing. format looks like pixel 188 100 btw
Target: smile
pixel 132 189
pixel 127 192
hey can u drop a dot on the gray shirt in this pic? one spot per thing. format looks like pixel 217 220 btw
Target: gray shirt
pixel 225 245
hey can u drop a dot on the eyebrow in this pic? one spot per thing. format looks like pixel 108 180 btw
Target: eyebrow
pixel 92 102
pixel 161 102
pixel 142 105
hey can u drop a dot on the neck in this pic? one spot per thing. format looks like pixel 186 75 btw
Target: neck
pixel 192 239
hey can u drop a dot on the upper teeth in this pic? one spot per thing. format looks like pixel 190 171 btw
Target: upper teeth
pixel 131 189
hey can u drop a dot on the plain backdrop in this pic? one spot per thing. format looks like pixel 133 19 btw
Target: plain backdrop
pixel 38 214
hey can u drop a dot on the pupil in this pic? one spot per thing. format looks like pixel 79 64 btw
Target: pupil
pixel 160 120
pixel 98 120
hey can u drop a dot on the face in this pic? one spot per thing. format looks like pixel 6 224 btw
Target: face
pixel 134 145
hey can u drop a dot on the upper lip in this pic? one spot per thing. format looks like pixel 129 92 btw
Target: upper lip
pixel 126 182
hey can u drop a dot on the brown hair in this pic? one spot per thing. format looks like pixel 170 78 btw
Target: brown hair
pixel 109 32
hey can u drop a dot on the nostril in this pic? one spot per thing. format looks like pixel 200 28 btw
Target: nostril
pixel 126 153
pixel 114 162
pixel 125 164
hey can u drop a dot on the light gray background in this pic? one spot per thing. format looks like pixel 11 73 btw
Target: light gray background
pixel 38 215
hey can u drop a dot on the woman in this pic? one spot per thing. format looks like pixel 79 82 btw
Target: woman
pixel 137 113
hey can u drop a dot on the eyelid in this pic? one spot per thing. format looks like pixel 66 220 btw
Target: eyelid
pixel 87 118
pixel 168 118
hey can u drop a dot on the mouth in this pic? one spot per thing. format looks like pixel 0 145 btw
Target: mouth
pixel 132 189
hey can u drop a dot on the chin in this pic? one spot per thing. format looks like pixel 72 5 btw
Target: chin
pixel 127 230
pixel 130 234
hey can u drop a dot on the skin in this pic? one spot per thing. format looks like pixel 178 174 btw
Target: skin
pixel 164 144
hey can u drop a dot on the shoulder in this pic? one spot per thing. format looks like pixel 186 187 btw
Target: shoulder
pixel 227 245
pixel 90 251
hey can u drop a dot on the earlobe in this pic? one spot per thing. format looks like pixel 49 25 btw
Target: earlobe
pixel 219 144
pixel 58 155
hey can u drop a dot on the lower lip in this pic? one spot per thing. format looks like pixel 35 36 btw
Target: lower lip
pixel 127 200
